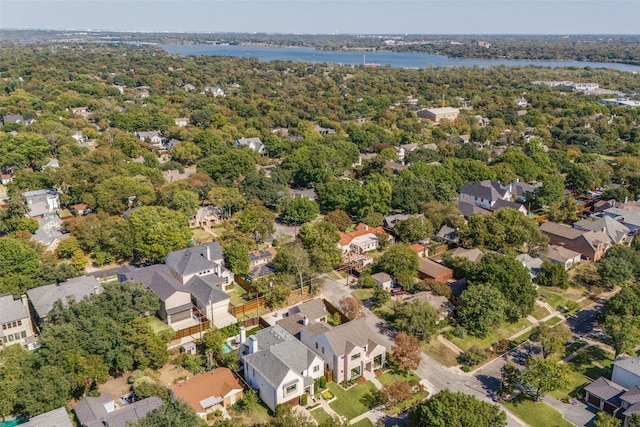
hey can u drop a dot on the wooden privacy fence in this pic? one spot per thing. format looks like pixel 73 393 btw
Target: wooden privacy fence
pixel 250 323
pixel 192 330
pixel 248 307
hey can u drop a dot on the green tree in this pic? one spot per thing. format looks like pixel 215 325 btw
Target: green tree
pixel 380 296
pixel 237 258
pixel 173 412
pixel 552 274
pixel 67 247
pixel 483 310
pixel 581 178
pixel 148 348
pixel 227 198
pixel 299 210
pixel 413 229
pixel 340 219
pixel 321 243
pixel 11 374
pixel 605 420
pixel 406 352
pixel 510 378
pixel 624 332
pixel 553 339
pixel 293 260
pixel 417 318
pixel 455 409
pixel 157 231
pixel 255 220
pixel 401 262
pixel 565 211
pixel 186 152
pixel 79 260
pixel 118 193
pixel 543 375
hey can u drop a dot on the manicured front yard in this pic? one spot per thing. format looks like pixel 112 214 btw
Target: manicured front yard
pixel 589 364
pixel 362 294
pixel 553 321
pixel 504 332
pixel 389 378
pixel 348 402
pixel 440 352
pixel 554 299
pixel 320 415
pixel 539 312
pixel 536 414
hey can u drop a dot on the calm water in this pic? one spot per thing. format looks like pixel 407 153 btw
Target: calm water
pixel 393 59
pixel 12 423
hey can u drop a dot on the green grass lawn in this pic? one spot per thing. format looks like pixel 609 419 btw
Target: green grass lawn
pixel 365 422
pixel 389 378
pixel 201 236
pixel 362 294
pixel 238 295
pixel 440 352
pixel 581 370
pixel 540 312
pixel 553 321
pixel 536 414
pixel 348 402
pixel 504 332
pixel 320 415
pixel 158 325
pixel 554 299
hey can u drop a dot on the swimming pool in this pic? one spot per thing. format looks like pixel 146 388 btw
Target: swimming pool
pixel 13 422
pixel 226 348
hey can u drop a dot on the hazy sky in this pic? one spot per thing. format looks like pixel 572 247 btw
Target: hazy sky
pixel 329 16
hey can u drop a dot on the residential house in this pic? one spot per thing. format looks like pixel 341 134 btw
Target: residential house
pixel 154 137
pixel 50 231
pixel 362 239
pixel 181 122
pixel 174 175
pixel 501 204
pixel 279 366
pixel 176 308
pixel 592 245
pixel 448 234
pixel 485 193
pixel 389 221
pixel 208 392
pixel 323 131
pixel 467 207
pixel 585 87
pixel 6 178
pixel 207 216
pixel 81 111
pixel 253 143
pixel 405 149
pixel 561 255
pixel 143 91
pixel 520 189
pixel 56 418
pixel 210 299
pixel 314 310
pixel 530 263
pixel 420 249
pixel 43 298
pixel 626 216
pixel 12 119
pixel 617 231
pixel 41 202
pixel 481 121
pixel 81 209
pixel 347 350
pixel 383 280
pixel 15 322
pixel 214 90
pixel 474 255
pixel 103 412
pixel 189 87
pixel 521 102
pixel 620 396
pixel 438 114
pixel 395 167
pixel 306 194
pixel 261 257
pixel 202 260
pixel 431 270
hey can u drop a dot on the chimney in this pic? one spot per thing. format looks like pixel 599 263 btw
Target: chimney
pixel 243 334
pixel 208 253
pixel 253 344
pixel 305 320
pixel 366 227
pixel 95 290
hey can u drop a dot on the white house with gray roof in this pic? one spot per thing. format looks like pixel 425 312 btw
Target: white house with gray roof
pixel 15 322
pixel 202 260
pixel 485 193
pixel 50 231
pixel 254 143
pixel 43 298
pixel 279 366
pixel 41 202
pixel 347 350
pixel 103 412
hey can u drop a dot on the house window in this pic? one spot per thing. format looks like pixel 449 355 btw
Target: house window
pixel 4 327
pixel 290 389
pixel 355 356
pixel 316 368
pixel 322 350
pixel 23 334
pixel 19 322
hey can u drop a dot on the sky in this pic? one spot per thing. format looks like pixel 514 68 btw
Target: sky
pixel 329 16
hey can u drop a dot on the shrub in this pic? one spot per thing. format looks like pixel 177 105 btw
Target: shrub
pixel 372 399
pixel 303 400
pixel 323 382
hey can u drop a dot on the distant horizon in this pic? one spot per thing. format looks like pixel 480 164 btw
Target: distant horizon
pixel 327 17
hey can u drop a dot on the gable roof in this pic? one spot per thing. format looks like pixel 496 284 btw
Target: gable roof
pixel 560 230
pixel 195 259
pixel 77 288
pixel 313 309
pixel 487 190
pixel 432 269
pixel 345 337
pixel 559 253
pixel 157 277
pixel 56 418
pixel 205 290
pixel 361 230
pixel 474 255
pixel 272 369
pixel 468 208
pixel 501 204
pixel 91 411
pixel 382 277
pixel 200 389
pixel 12 309
pixel 448 233
pixel 616 231
pixel 606 390
pixel 631 364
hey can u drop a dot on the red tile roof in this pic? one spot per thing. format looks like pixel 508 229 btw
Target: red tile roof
pixel 361 230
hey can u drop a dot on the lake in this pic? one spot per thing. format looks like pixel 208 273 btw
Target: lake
pixel 393 59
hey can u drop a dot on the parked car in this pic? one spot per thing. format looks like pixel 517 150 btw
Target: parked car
pixel 397 291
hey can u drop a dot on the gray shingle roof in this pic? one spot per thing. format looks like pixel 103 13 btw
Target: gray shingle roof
pixel 204 289
pixel 77 288
pixel 313 309
pixel 56 418
pixel 560 230
pixel 487 190
pixel 12 309
pixel 158 278
pixel 194 260
pixel 91 411
pixel 272 369
pixel 632 396
pixel 354 333
pixel 467 208
pixel 607 390
pixel 501 204
pixel 614 229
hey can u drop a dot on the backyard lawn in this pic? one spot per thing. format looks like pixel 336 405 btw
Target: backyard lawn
pixel 238 295
pixel 320 415
pixel 201 236
pixel 348 402
pixel 536 414
pixel 440 352
pixel 504 332
pixel 158 325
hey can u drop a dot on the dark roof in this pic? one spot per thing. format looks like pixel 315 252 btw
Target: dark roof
pixel 195 259
pixel 560 230
pixel 158 278
pixel 606 390
pixel 91 411
pixel 501 204
pixel 12 309
pixel 77 288
pixel 56 418
pixel 458 287
pixel 487 190
pixel 448 233
pixel 260 255
pixel 12 119
pixel 521 188
pixel 205 290
pixel 467 208
pixel 313 309
pixel 632 396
